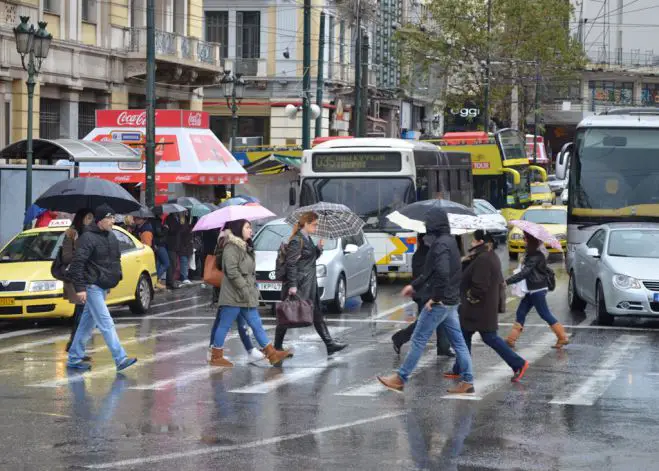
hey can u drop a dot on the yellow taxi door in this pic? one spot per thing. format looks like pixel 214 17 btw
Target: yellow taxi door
pixel 130 263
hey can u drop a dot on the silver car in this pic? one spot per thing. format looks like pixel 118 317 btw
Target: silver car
pixel 345 269
pixel 617 271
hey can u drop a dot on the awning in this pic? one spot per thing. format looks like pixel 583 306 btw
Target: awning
pixel 75 150
pixel 273 164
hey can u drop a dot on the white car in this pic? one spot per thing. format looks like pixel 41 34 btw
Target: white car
pixel 345 269
pixel 564 197
pixel 484 209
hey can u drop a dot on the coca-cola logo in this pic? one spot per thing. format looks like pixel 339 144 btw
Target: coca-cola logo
pixel 183 178
pixel 122 178
pixel 194 120
pixel 126 118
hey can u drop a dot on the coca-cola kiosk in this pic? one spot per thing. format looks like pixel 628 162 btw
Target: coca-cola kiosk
pixel 187 152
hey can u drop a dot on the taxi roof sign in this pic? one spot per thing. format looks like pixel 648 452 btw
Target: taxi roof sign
pixel 60 223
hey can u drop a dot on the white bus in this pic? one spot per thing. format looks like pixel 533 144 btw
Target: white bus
pixel 376 176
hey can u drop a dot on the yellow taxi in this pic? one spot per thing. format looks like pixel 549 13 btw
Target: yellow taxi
pixel 551 217
pixel 28 289
pixel 541 193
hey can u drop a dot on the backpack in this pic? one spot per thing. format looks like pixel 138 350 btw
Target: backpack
pixel 280 263
pixel 551 279
pixel 58 269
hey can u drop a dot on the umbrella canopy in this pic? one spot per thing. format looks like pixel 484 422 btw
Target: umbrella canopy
pixel 186 201
pixel 249 199
pixel 87 192
pixel 199 210
pixel 211 206
pixel 460 223
pixel 143 212
pixel 334 220
pixel 418 210
pixel 235 201
pixel 217 219
pixel 539 232
pixel 169 208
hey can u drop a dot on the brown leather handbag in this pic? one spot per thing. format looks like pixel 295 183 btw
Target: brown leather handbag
pixel 212 276
pixel 295 312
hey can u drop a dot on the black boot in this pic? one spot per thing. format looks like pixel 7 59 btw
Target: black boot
pixel 323 331
pixel 280 333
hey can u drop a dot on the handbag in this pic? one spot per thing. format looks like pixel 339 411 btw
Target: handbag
pixel 212 276
pixel 519 289
pixel 295 312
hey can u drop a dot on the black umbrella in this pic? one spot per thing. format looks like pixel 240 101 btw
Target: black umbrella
pixel 143 212
pixel 87 192
pixel 418 210
pixel 169 208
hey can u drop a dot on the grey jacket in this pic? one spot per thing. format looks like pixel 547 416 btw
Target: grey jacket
pixel 239 267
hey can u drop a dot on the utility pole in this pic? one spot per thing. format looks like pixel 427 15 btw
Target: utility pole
pixel 150 149
pixel 486 92
pixel 358 73
pixel 536 111
pixel 306 78
pixel 320 81
pixel 364 96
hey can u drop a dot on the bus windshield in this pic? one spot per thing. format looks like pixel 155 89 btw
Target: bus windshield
pixel 614 171
pixel 372 198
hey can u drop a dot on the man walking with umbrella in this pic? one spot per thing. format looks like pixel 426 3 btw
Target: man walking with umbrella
pixel 96 268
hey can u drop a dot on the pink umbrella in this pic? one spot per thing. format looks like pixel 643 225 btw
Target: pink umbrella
pixel 217 219
pixel 539 232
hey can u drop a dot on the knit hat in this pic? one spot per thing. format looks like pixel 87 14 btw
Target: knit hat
pixel 102 212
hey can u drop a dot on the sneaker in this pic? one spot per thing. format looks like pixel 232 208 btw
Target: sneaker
pixel 125 363
pixel 80 365
pixel 186 282
pixel 519 374
pixel 254 356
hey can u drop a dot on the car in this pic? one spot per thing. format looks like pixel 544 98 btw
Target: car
pixel 553 218
pixel 541 193
pixel 564 195
pixel 345 269
pixel 28 289
pixel 617 271
pixel 556 185
pixel 485 209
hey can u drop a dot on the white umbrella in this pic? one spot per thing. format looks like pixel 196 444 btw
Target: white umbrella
pixel 460 223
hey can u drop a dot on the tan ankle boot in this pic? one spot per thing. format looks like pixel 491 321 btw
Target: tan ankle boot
pixel 462 388
pixel 514 334
pixel 217 358
pixel 561 336
pixel 393 382
pixel 275 357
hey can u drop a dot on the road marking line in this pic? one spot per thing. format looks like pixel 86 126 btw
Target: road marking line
pixel 180 380
pixel 173 311
pixel 243 446
pixel 393 309
pixel 176 301
pixel 314 336
pixel 19 333
pixel 598 381
pixel 164 333
pixel 49 340
pixel 497 375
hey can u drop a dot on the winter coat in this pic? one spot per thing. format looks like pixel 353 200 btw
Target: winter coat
pixel 239 268
pixel 159 233
pixel 442 271
pixel 96 261
pixel 419 259
pixel 301 256
pixel 186 245
pixel 173 238
pixel 144 233
pixel 481 288
pixel 534 271
pixel 68 249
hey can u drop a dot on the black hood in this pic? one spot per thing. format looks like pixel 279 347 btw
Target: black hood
pixel 437 222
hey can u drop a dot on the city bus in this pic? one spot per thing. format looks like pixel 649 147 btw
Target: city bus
pixel 613 173
pixel 501 169
pixel 376 176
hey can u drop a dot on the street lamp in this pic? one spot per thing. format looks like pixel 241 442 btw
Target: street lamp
pixel 234 88
pixel 34 45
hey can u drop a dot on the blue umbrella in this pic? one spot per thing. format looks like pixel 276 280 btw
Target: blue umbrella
pixel 32 213
pixel 235 201
pixel 249 199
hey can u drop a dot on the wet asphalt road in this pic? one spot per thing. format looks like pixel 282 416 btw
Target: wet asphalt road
pixel 591 406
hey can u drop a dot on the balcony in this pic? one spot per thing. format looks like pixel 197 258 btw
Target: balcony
pixel 179 59
pixel 250 67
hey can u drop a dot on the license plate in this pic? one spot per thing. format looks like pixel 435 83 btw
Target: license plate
pixel 656 297
pixel 7 301
pixel 269 286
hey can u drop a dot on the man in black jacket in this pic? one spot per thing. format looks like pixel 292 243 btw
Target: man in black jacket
pixel 439 287
pixel 96 268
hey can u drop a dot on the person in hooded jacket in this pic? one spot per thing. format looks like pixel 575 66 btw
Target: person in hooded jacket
pixel 439 286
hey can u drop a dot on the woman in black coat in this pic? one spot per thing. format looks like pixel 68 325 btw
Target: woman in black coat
pixel 480 290
pixel 301 281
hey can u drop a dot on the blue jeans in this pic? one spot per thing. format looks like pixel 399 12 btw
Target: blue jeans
pixel 162 262
pixel 229 314
pixel 185 267
pixel 538 300
pixel 242 331
pixel 496 343
pixel 96 313
pixel 427 322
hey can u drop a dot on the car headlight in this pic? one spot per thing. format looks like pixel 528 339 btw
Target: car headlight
pixel 516 236
pixel 626 282
pixel 321 271
pixel 45 285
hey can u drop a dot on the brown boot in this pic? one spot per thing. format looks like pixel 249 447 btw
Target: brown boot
pixel 561 336
pixel 217 358
pixel 514 334
pixel 393 382
pixel 275 357
pixel 462 388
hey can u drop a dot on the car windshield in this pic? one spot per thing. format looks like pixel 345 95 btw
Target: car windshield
pixel 32 247
pixel 539 189
pixel 483 208
pixel 637 243
pixel 546 216
pixel 271 236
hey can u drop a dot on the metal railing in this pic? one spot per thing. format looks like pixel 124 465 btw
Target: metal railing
pixel 618 57
pixel 165 43
pixel 175 45
pixel 247 66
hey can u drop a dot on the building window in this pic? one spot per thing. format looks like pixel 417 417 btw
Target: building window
pixel 331 57
pixel 342 41
pixel 49 118
pixel 248 41
pixel 217 30
pixel 51 6
pixel 86 118
pixel 89 11
pixel 619 93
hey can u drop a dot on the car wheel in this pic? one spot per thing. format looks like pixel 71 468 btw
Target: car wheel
pixel 512 255
pixel 603 317
pixel 372 293
pixel 143 296
pixel 574 300
pixel 338 304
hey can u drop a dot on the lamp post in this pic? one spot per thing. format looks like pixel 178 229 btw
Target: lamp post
pixel 234 88
pixel 35 45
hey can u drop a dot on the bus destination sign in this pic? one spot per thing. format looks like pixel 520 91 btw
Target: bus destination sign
pixel 345 162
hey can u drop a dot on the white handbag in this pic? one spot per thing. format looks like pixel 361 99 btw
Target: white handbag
pixel 520 289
